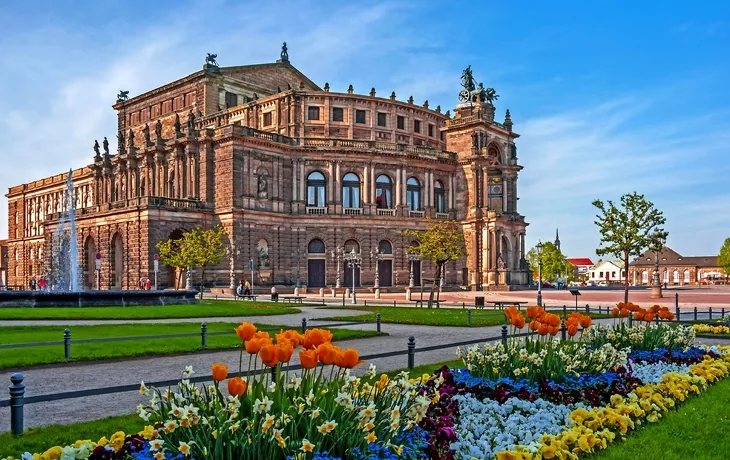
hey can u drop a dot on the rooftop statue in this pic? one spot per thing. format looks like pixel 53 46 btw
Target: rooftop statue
pixel 123 96
pixel 284 53
pixel 210 59
pixel 471 91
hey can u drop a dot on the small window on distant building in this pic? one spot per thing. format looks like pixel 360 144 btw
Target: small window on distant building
pixel 313 113
pixel 360 117
pixel 267 119
pixel 613 274
pixel 401 122
pixel 441 135
pixel 231 99
pixel 600 275
pixel 430 130
pixel 416 126
pixel 381 119
pixel 338 114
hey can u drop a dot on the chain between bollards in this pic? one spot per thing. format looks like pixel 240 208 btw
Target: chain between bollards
pixel 411 352
pixel 67 343
pixel 377 322
pixel 204 335
pixel 17 394
pixel 304 325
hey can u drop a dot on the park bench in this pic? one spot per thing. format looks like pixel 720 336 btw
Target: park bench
pixel 420 302
pixel 293 299
pixel 502 304
pixel 246 297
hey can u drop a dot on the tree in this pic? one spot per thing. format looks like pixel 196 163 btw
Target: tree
pixel 442 242
pixel 629 229
pixel 723 259
pixel 174 253
pixel 554 263
pixel 206 247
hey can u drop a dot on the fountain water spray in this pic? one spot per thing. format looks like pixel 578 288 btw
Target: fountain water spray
pixel 65 269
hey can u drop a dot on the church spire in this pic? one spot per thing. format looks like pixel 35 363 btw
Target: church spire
pixel 557 239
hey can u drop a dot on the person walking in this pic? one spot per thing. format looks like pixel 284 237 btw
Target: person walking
pixel 148 285
pixel 42 283
pixel 239 290
pixel 32 285
pixel 247 289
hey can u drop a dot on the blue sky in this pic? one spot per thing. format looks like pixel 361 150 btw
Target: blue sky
pixel 609 97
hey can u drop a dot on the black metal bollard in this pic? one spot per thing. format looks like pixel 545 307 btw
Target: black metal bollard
pixel 710 313
pixel 304 325
pixel 676 308
pixel 676 301
pixel 565 311
pixel 695 313
pixel 273 374
pixel 377 321
pixel 366 302
pixel 563 332
pixel 656 320
pixel 504 335
pixel 722 313
pixel 463 305
pixel 468 317
pixel 588 309
pixel 394 304
pixel 17 394
pixel 411 352
pixel 67 343
pixel 204 335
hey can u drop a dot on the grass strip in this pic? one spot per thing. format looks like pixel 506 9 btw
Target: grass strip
pixel 42 438
pixel 21 357
pixel 206 308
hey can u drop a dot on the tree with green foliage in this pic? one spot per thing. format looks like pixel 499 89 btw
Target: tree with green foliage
pixel 441 243
pixel 629 229
pixel 174 253
pixel 554 263
pixel 723 259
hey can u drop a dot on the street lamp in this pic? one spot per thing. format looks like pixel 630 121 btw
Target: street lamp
pixel 412 257
pixel 354 259
pixel 539 273
pixel 656 285
pixel 298 253
pixel 378 256
pixel 337 255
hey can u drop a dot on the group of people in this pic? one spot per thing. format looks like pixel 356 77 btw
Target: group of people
pixel 41 284
pixel 243 289
pixel 145 284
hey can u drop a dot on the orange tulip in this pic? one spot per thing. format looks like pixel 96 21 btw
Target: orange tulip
pixel 655 308
pixel 639 315
pixel 648 317
pixel 351 358
pixel 534 325
pixel 293 337
pixel 518 322
pixel 616 311
pixel 327 353
pixel 254 345
pixel 543 329
pixel 318 336
pixel 308 358
pixel 553 320
pixel 219 371
pixel 625 312
pixel 553 330
pixel 268 355
pixel 237 386
pixel 262 335
pixel 306 342
pixel 246 331
pixel 533 312
pixel 585 321
pixel 670 315
pixel 284 350
pixel 572 329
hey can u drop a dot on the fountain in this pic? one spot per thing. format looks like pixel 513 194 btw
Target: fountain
pixel 64 289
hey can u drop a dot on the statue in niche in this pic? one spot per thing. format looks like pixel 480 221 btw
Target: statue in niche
pixel 97 153
pixel 120 141
pixel 158 130
pixel 191 123
pixel 105 144
pixel 146 133
pixel 263 254
pixel 500 262
pixel 130 140
pixel 475 140
pixel 177 125
pixel 262 187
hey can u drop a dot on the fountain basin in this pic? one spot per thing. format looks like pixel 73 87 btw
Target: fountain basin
pixel 41 299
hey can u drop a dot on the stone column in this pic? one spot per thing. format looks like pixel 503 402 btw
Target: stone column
pixel 302 183
pixel 398 186
pixel 451 192
pixel 338 182
pixel 430 197
pixel 294 174
pixel 365 185
pixel 330 183
pixel 371 183
pixel 485 187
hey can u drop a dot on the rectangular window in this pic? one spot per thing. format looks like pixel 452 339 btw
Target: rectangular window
pixel 416 126
pixel 312 113
pixel 338 114
pixel 441 135
pixel 360 117
pixel 430 130
pixel 231 99
pixel 613 274
pixel 381 119
pixel 401 122
pixel 267 119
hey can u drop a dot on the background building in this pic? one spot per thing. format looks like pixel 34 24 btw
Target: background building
pixel 611 271
pixel 3 264
pixel 295 173
pixel 675 269
pixel 581 267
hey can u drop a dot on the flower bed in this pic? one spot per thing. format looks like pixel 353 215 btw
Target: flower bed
pixel 530 398
pixel 711 329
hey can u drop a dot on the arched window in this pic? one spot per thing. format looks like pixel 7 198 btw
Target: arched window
pixel 413 194
pixel 439 196
pixel 644 277
pixel 316 246
pixel 350 191
pixel 316 190
pixel 666 275
pixel 383 192
pixel 686 276
pixel 384 247
pixel 675 276
pixel 352 244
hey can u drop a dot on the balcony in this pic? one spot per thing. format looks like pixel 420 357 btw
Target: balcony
pixel 442 215
pixel 316 210
pixel 386 212
pixel 352 211
pixel 416 213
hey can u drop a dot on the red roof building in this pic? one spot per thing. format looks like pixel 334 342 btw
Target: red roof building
pixel 581 266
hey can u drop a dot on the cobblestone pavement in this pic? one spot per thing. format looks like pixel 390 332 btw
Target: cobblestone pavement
pixel 78 376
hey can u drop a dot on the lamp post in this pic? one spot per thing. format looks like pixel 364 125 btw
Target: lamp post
pixel 337 255
pixel 298 253
pixel 378 256
pixel 539 273
pixel 412 257
pixel 353 259
pixel 656 285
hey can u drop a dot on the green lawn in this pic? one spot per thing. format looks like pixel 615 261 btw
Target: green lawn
pixel 40 439
pixel 20 357
pixel 206 308
pixel 428 316
pixel 698 429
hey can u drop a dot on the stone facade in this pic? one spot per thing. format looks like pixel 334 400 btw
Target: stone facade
pixel 675 269
pixel 294 173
